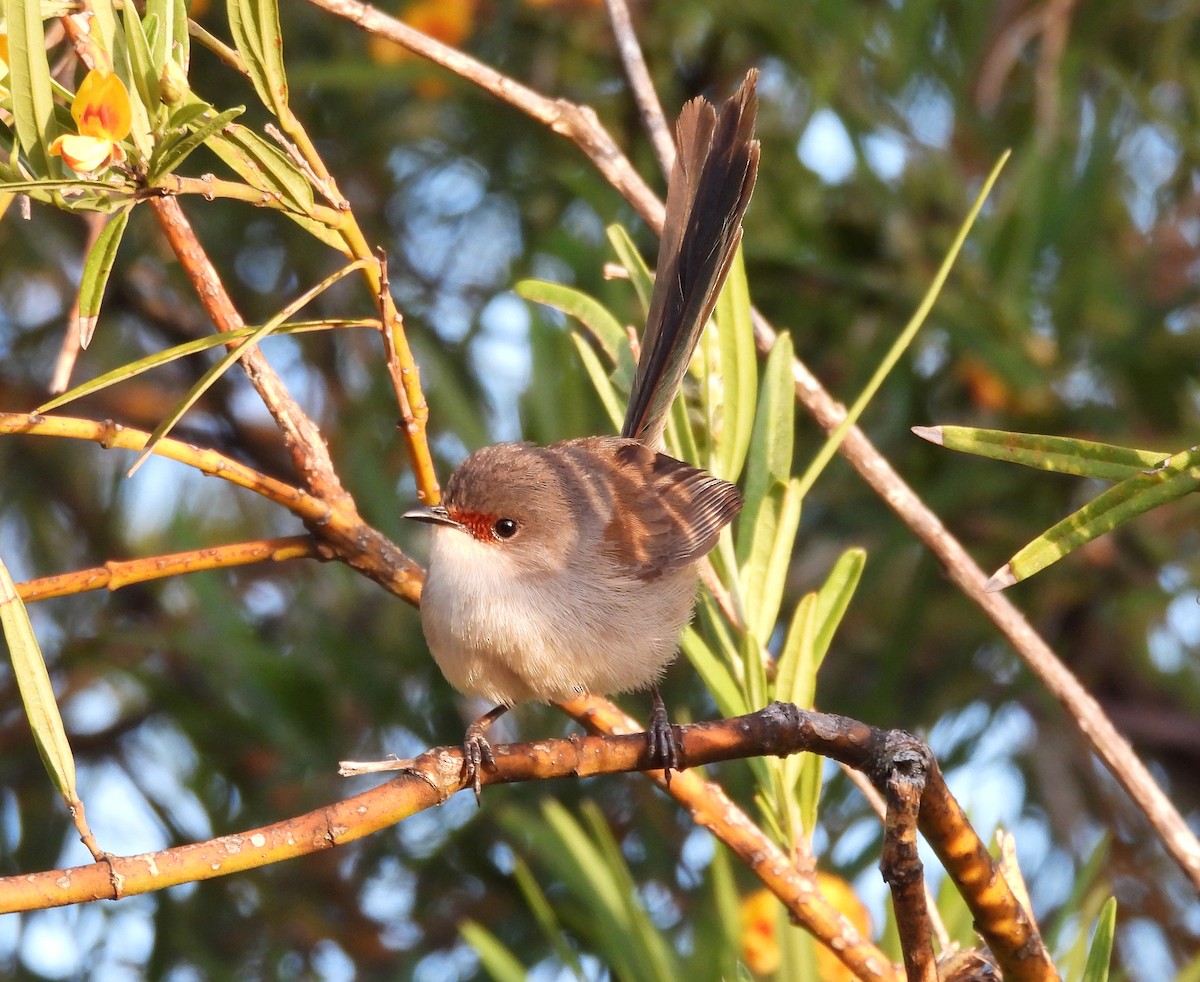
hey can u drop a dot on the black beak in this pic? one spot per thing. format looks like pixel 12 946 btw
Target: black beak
pixel 434 515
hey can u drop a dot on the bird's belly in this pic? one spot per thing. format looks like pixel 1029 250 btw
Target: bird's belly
pixel 506 639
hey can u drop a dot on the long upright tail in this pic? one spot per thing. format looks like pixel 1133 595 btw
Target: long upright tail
pixel 707 195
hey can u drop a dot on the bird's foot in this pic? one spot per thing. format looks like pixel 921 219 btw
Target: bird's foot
pixel 665 748
pixel 477 752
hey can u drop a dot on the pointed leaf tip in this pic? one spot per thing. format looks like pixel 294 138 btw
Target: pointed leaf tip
pixel 931 433
pixel 1002 578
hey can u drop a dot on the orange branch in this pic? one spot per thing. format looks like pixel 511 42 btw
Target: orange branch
pixel 342 533
pixel 114 574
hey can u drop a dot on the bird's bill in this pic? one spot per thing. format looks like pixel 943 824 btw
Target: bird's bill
pixel 431 515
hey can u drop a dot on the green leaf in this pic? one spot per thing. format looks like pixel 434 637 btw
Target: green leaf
pixel 599 379
pixel 770 458
pixel 795 671
pixel 256 34
pixel 717 678
pixel 544 913
pixel 96 268
pixel 174 149
pixel 653 954
pixel 906 336
pixel 629 257
pixel 593 872
pixel 142 70
pixel 1177 476
pixel 171 41
pixel 810 770
pixel 834 597
pixel 754 680
pixel 37 694
pixel 1060 454
pixel 739 371
pixel 497 959
pixel 764 572
pixel 208 378
pixel 1100 954
pixel 29 79
pixel 601 325
pixel 168 355
pixel 262 166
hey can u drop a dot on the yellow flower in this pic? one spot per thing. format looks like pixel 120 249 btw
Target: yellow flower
pixel 4 48
pixel 102 113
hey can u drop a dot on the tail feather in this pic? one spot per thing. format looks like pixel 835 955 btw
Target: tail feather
pixel 707 194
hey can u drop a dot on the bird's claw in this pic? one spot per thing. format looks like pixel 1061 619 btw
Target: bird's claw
pixel 662 739
pixel 477 754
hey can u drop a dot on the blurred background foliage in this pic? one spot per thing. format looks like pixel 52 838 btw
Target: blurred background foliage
pixel 218 702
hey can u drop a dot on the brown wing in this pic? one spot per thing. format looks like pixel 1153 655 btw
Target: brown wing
pixel 677 511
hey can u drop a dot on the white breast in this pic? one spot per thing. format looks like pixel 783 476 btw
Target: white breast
pixel 507 637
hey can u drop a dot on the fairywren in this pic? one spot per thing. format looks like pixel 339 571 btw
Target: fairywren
pixel 570 569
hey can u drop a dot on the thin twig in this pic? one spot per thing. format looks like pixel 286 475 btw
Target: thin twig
pixel 342 532
pixel 653 118
pixel 577 123
pixel 301 434
pixel 114 575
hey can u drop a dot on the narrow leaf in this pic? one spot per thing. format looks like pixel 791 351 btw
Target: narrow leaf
pixel 141 62
pixel 171 42
pixel 256 34
pixel 771 442
pixel 629 257
pixel 497 959
pixel 601 326
pixel 175 149
pixel 907 334
pixel 168 355
pixel 208 378
pixel 795 670
pixel 765 570
pixel 834 598
pixel 37 694
pixel 717 678
pixel 600 380
pixel 96 269
pixel 1100 954
pixel 739 371
pixel 545 915
pixel 29 80
pixel 1060 454
pixel 1177 476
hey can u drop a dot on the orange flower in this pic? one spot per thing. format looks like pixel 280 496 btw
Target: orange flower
pixel 448 21
pixel 4 48
pixel 760 943
pixel 761 922
pixel 102 113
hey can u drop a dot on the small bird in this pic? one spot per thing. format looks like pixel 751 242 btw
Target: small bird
pixel 570 569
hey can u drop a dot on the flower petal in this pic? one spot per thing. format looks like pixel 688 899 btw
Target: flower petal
pixel 85 154
pixel 101 107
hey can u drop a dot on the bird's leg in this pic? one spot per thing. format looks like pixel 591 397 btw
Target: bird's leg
pixel 664 746
pixel 477 752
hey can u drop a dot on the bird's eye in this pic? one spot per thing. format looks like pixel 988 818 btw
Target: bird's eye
pixel 505 528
